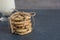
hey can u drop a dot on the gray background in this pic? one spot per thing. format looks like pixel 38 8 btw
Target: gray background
pixel 37 4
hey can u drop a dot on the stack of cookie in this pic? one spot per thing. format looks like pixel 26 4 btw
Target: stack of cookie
pixel 20 23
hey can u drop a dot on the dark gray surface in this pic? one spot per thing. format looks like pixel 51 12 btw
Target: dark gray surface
pixel 47 27
pixel 38 4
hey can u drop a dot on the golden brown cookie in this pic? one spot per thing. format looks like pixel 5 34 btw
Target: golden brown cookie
pixel 21 23
pixel 18 23
pixel 26 32
pixel 21 30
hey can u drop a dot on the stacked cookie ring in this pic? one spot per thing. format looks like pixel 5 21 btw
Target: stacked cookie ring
pixel 20 23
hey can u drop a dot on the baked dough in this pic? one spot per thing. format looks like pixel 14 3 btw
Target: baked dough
pixel 20 23
pixel 27 32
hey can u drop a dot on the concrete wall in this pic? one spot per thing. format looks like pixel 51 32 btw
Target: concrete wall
pixel 38 4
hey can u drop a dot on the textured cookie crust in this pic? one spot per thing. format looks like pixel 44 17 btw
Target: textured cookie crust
pixel 20 23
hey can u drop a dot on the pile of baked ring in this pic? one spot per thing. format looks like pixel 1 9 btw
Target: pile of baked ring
pixel 20 23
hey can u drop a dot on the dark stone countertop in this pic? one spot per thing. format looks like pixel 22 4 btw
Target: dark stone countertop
pixel 47 27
